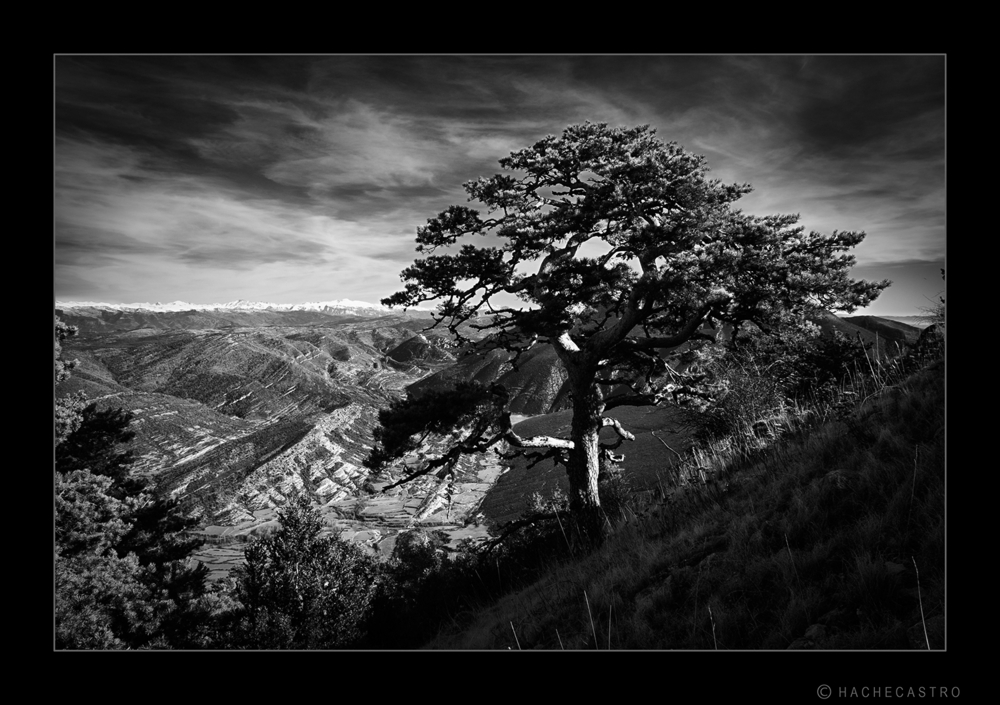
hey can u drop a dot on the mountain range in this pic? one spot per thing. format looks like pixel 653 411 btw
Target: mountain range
pixel 237 406
pixel 338 306
pixel 93 317
pixel 217 394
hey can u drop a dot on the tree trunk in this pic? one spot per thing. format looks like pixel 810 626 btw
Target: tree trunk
pixel 585 460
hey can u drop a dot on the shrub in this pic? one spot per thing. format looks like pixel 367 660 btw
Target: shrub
pixel 766 375
pixel 303 591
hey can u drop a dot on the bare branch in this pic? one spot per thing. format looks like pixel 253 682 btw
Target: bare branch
pixel 537 441
pixel 682 336
pixel 618 428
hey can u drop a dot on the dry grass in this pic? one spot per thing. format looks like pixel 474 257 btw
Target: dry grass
pixel 809 540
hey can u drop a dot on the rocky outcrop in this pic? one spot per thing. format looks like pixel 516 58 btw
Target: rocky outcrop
pixel 326 463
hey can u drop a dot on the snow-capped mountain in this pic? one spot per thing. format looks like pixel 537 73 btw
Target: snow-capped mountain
pixel 348 306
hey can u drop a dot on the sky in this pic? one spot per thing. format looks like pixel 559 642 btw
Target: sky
pixel 291 179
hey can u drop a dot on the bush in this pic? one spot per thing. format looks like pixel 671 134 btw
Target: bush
pixel 414 559
pixel 764 376
pixel 303 591
pixel 827 361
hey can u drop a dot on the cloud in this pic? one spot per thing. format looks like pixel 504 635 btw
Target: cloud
pixel 108 207
pixel 311 174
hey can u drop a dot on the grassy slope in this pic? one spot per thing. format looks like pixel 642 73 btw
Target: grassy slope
pixel 816 545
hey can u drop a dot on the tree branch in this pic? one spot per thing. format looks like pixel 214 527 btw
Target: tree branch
pixel 537 441
pixel 682 336
pixel 617 427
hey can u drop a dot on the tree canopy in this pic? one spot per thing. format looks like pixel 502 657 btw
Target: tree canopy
pixel 122 577
pixel 614 247
pixel 301 590
pixel 67 409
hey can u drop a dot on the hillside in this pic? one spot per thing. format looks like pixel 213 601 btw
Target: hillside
pixel 889 337
pixel 233 420
pixel 831 541
pixel 213 406
pixel 536 385
pixel 800 543
pixel 887 328
pixel 915 321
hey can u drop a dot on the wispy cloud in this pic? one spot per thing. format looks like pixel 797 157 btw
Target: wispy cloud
pixel 305 177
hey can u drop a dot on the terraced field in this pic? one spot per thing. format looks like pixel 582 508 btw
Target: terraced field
pixel 234 421
pixel 374 521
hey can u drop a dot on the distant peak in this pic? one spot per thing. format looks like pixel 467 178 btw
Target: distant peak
pixel 347 305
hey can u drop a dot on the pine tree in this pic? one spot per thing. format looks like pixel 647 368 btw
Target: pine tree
pixel 67 408
pixel 102 601
pixel 300 590
pixel 122 580
pixel 614 248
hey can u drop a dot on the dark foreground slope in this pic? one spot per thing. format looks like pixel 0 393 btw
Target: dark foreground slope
pixel 816 545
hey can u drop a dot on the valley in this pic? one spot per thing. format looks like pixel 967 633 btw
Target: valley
pixel 247 408
pixel 233 420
